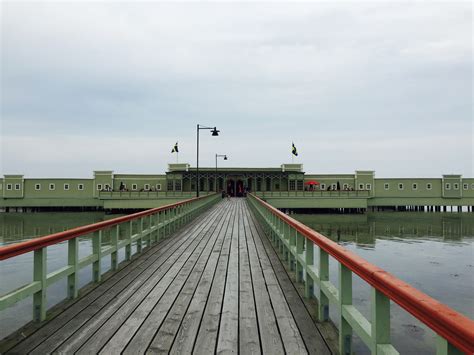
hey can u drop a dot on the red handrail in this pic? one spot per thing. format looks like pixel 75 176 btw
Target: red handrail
pixel 451 325
pixel 12 250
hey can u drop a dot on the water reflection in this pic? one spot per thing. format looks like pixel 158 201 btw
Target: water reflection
pixel 364 230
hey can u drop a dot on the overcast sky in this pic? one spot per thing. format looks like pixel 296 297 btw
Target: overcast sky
pixel 113 85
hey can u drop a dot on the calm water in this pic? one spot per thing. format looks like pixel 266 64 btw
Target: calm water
pixel 431 251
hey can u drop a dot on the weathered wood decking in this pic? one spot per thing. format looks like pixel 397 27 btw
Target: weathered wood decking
pixel 214 286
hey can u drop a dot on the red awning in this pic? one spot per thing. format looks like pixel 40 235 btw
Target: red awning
pixel 311 182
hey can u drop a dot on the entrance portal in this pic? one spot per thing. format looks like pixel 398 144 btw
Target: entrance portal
pixel 235 188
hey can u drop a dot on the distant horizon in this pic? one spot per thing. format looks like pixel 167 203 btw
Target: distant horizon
pixel 383 86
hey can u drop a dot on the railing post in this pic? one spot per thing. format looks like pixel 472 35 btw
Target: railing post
pixel 323 314
pixel 380 319
pixel 309 261
pixel 345 298
pixel 97 251
pixel 128 247
pixel 114 241
pixel 299 250
pixel 443 347
pixel 140 236
pixel 73 260
pixel 39 274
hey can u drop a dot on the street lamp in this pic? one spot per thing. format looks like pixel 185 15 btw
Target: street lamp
pixel 215 133
pixel 220 156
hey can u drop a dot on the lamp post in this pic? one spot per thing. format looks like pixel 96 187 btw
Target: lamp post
pixel 214 133
pixel 220 156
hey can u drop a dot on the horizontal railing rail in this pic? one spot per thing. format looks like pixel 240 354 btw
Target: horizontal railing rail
pixel 293 239
pixel 143 229
pixel 316 194
pixel 132 194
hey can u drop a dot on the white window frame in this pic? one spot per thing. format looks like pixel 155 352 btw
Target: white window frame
pixel 368 187
pixel 52 187
pixel 67 187
pixel 386 186
pixel 322 186
pixel 99 187
pixel 429 186
pixel 361 186
pixel 345 186
pixel 414 186
pixel 107 187
pixel 17 187
pixel 80 187
pixel 147 186
pixel 134 187
pixel 37 187
pixel 9 187
pixel 158 187
pixel 456 186
pixel 333 186
pixel 400 186
pixel 447 186
pixel 465 186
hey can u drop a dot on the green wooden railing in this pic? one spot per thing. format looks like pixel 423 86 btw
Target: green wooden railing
pixel 143 228
pixel 296 242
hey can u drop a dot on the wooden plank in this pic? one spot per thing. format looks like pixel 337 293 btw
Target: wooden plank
pixel 270 337
pixel 93 336
pixel 164 338
pixel 228 337
pixel 289 331
pixel 209 328
pixel 76 318
pixel 139 329
pixel 205 306
pixel 310 333
pixel 249 340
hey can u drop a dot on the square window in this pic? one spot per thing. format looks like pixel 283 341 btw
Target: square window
pixel 99 187
pixel 134 187
pixel 368 187
pixel 9 186
pixel 465 186
pixel 414 186
pixel 147 186
pixel 400 186
pixel 66 187
pixel 448 186
pixel 52 187
pixel 323 186
pixel 107 187
pixel 456 186
pixel 386 186
pixel 158 187
pixel 17 187
pixel 80 187
pixel 37 187
pixel 345 186
pixel 429 186
pixel 361 186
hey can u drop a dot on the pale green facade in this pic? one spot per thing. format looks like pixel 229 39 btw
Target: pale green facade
pixel 286 186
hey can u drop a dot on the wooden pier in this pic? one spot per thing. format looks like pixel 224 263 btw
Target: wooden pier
pixel 214 286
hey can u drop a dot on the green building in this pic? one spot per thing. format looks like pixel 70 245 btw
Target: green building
pixel 286 187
